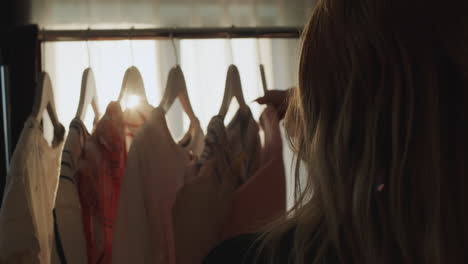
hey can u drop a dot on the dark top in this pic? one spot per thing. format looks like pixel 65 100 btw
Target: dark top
pixel 240 249
pixel 244 249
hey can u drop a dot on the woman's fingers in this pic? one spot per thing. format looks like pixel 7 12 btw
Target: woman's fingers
pixel 278 99
pixel 273 97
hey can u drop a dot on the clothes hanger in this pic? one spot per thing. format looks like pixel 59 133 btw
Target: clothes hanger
pixel 88 96
pixel 133 85
pixel 133 82
pixel 233 88
pixel 176 88
pixel 264 82
pixel 262 68
pixel 44 100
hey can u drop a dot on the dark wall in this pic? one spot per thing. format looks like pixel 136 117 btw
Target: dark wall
pixel 19 55
pixel 14 12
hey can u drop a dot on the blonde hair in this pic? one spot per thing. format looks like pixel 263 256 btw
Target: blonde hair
pixel 382 101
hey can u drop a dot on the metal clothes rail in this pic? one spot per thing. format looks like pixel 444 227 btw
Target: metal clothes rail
pixel 168 33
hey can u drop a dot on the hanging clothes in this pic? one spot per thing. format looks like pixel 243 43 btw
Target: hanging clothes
pixel 239 138
pixel 200 210
pixel 236 148
pixel 98 179
pixel 155 171
pixel 218 145
pixel 263 197
pixel 134 118
pixel 70 243
pixel 244 139
pixel 26 222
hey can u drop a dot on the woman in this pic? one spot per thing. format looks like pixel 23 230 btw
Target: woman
pixel 380 121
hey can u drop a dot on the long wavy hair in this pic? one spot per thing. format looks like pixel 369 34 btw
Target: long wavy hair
pixel 380 121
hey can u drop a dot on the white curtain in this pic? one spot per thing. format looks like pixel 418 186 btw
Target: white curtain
pixel 204 63
pixel 168 13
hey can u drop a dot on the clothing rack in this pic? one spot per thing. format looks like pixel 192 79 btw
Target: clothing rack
pixel 168 33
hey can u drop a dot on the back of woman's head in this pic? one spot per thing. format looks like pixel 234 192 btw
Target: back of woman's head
pixel 381 123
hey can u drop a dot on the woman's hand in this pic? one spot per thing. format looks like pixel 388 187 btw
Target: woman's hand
pixel 278 99
pixel 200 210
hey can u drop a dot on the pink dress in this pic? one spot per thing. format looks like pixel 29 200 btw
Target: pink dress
pixel 98 179
pixel 263 197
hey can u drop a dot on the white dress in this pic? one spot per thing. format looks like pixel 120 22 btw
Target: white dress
pixel 26 222
pixel 154 172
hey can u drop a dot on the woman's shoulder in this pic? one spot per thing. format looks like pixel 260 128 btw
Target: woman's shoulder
pixel 240 249
pixel 246 249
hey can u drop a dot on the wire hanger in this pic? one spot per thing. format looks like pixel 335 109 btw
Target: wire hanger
pixel 88 94
pixel 133 82
pixel 176 88
pixel 44 100
pixel 232 89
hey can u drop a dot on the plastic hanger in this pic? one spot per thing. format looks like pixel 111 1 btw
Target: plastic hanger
pixel 43 101
pixel 233 89
pixel 233 86
pixel 88 96
pixel 133 85
pixel 262 69
pixel 177 88
pixel 133 82
pixel 262 75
